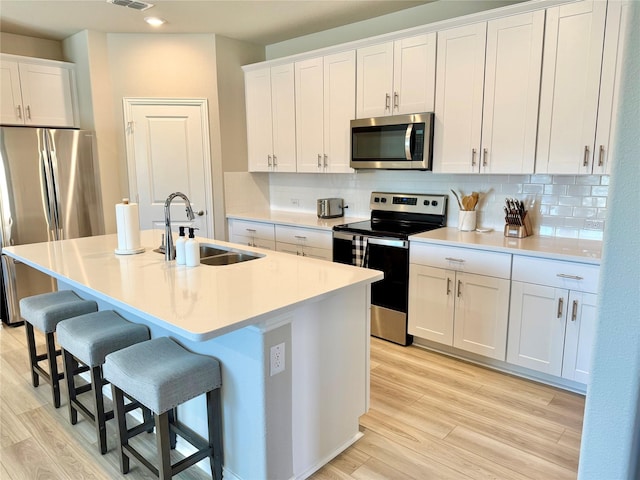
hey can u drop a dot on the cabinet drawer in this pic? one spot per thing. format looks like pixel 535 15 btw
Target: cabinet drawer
pixel 481 262
pixel 267 244
pixel 304 236
pixel 252 229
pixel 556 273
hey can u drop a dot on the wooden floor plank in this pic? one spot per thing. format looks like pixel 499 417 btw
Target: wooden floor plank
pixel 27 460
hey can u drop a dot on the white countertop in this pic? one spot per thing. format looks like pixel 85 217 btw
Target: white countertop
pixel 197 303
pixel 294 219
pixel 585 251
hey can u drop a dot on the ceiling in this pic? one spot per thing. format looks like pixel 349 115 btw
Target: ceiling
pixel 263 22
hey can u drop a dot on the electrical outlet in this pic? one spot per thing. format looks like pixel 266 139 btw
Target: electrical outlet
pixel 295 202
pixel 594 225
pixel 277 359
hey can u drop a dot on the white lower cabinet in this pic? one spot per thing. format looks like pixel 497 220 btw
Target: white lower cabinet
pixel 306 242
pixel 253 234
pixel 552 317
pixel 460 297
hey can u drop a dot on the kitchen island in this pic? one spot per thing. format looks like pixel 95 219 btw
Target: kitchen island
pixel 276 425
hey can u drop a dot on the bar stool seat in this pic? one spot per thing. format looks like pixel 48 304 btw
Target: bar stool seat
pixel 161 374
pixel 87 339
pixel 44 312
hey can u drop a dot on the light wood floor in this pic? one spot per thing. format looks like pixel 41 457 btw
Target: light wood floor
pixel 431 417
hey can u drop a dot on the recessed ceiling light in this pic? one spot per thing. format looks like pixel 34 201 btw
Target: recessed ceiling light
pixel 155 21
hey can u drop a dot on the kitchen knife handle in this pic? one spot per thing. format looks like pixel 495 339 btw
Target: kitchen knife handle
pixel 574 311
pixel 484 156
pixel 570 277
pixel 448 286
pixel 585 162
pixel 473 157
pixel 560 307
pixel 601 156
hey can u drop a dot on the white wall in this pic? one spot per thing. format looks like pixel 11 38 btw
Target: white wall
pixel 31 46
pixel 611 433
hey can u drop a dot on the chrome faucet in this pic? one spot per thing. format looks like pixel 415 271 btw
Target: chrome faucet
pixel 169 250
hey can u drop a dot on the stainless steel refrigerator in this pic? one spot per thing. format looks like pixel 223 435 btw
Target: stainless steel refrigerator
pixel 49 190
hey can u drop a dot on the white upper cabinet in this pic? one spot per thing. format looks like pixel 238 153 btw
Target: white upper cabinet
pixel 487 86
pixel 396 77
pixel 570 87
pixel 325 104
pixel 271 127
pixel 37 92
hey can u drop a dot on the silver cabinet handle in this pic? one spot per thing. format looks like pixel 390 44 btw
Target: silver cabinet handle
pixel 387 100
pixel 396 100
pixel 473 157
pixel 319 160
pixel 484 156
pixel 570 277
pixel 601 156
pixel 585 162
pixel 448 286
pixel 459 288
pixel 269 160
pixel 574 311
pixel 250 230
pixel 325 160
pixel 28 112
pixel 560 307
pixel 19 109
pixel 300 237
pixel 451 259
pixel 275 161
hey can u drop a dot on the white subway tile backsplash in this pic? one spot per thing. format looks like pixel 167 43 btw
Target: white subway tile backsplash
pixel 558 204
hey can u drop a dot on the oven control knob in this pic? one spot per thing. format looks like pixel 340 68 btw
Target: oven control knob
pixel 384 200
pixel 376 200
pixel 426 202
pixel 434 203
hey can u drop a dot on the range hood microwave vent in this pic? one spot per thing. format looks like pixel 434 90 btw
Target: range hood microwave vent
pixel 135 4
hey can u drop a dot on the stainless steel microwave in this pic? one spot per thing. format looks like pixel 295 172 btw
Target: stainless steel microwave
pixel 402 142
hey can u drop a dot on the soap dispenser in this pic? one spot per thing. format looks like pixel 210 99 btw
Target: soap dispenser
pixel 180 252
pixel 192 250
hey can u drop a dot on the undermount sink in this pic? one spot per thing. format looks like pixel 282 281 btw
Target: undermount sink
pixel 216 255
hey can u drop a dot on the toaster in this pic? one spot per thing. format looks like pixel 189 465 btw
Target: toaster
pixel 330 207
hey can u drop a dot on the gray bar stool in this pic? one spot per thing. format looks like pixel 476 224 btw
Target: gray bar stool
pixel 87 339
pixel 44 312
pixel 160 374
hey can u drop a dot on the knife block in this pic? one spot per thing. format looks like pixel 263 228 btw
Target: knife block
pixel 519 231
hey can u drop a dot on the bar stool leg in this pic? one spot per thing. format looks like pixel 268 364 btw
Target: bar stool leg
pixel 33 358
pixel 99 414
pixel 164 446
pixel 70 366
pixel 173 438
pixel 53 369
pixel 123 437
pixel 214 417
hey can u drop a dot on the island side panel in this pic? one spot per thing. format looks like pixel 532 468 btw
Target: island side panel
pixel 330 374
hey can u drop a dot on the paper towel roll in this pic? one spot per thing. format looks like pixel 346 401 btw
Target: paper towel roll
pixel 128 226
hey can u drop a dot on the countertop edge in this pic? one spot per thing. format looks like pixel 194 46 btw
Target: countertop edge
pixel 294 219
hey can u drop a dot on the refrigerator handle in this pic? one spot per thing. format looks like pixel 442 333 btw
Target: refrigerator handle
pixel 45 185
pixel 53 183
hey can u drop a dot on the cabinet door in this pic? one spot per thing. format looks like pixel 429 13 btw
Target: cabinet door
pixel 570 84
pixel 482 314
pixel 309 115
pixel 414 74
pixel 458 107
pixel 259 123
pixel 511 91
pixel 431 303
pixel 11 111
pixel 374 80
pixel 579 337
pixel 47 95
pixel 339 110
pixel 536 327
pixel 610 84
pixel 284 118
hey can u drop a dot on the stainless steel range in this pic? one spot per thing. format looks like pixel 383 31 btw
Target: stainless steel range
pixel 382 243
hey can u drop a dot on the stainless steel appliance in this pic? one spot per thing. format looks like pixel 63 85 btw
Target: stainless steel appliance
pixel 382 243
pixel 330 207
pixel 49 190
pixel 394 142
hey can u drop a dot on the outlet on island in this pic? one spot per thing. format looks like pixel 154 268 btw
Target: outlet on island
pixel 277 359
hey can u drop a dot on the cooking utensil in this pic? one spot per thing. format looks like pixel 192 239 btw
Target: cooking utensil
pixel 457 198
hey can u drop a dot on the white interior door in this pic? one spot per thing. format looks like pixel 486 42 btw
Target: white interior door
pixel 168 151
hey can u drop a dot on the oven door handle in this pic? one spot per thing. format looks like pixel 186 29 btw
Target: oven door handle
pixel 384 241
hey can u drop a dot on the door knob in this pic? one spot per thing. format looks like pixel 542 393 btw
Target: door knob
pixel 200 213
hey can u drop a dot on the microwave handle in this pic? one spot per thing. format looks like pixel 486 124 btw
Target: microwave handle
pixel 407 142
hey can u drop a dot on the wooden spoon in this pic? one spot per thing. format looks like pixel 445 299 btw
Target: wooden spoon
pixel 467 202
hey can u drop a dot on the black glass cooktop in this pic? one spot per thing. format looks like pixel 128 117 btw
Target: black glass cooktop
pixel 385 228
